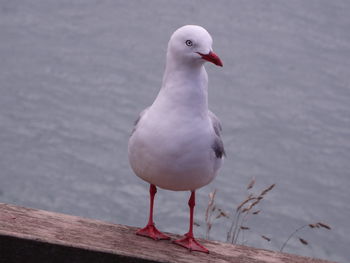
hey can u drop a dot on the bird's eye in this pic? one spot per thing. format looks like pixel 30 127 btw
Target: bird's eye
pixel 189 43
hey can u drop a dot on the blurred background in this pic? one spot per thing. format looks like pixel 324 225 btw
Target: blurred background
pixel 74 76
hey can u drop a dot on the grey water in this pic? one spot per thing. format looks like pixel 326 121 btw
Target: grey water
pixel 74 76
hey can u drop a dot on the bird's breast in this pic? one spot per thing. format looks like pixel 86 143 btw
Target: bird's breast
pixel 176 137
pixel 173 149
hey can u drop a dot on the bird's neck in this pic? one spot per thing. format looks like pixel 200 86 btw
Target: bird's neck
pixel 184 88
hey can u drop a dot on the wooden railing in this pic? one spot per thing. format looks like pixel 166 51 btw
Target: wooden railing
pixel 30 235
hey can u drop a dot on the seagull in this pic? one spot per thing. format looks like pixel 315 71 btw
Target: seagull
pixel 176 143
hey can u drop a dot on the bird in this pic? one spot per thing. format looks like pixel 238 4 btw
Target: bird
pixel 176 143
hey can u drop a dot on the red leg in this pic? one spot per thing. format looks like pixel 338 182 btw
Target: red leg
pixel 150 230
pixel 189 241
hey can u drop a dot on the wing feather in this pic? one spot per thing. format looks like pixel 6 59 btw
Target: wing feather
pixel 218 145
pixel 137 121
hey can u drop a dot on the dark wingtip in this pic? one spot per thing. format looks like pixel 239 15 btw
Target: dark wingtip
pixel 218 148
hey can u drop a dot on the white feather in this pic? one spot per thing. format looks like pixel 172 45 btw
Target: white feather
pixel 172 143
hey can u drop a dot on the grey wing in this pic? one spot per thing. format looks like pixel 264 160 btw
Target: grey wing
pixel 138 120
pixel 216 123
pixel 218 145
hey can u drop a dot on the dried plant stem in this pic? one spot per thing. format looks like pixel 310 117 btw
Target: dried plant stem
pixel 248 207
pixel 236 228
pixel 240 226
pixel 231 232
pixel 209 212
pixel 243 210
pixel 291 235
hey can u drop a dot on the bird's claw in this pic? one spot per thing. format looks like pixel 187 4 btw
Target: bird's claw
pixel 191 244
pixel 152 232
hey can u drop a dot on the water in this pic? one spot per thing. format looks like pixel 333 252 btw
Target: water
pixel 75 74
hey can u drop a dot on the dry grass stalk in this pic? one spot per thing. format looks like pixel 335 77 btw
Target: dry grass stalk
pixel 266 238
pixel 324 225
pixel 303 241
pixel 213 213
pixel 253 204
pixel 243 210
pixel 268 189
pixel 211 205
pixel 221 214
pixel 251 184
pixel 196 223
pixel 241 213
pixel 249 198
pixel 209 212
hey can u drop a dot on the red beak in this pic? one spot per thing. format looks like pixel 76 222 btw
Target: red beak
pixel 212 57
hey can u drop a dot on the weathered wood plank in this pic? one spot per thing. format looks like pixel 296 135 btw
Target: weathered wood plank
pixel 29 235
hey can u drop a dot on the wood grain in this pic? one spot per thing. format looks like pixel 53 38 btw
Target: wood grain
pixel 30 235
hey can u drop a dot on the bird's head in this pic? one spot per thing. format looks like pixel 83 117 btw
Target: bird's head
pixel 192 45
